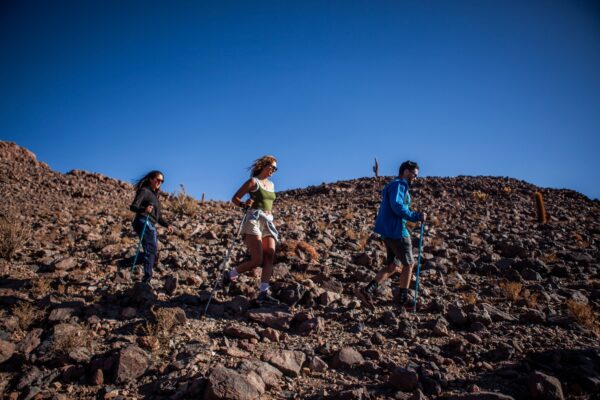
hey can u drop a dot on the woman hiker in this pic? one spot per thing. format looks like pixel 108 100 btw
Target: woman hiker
pixel 147 211
pixel 258 230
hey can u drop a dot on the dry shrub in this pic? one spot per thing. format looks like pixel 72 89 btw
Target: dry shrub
pixel 350 234
pixel 549 257
pixel 469 297
pixel 479 195
pixel 182 204
pixel 14 233
pixel 363 239
pixel 163 324
pixel 321 225
pixel 300 276
pixel 512 290
pixel 348 216
pixel 41 287
pixel 72 340
pixel 583 314
pixel 299 249
pixel 27 314
pixel 580 241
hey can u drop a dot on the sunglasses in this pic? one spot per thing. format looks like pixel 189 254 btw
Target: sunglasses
pixel 273 167
pixel 159 180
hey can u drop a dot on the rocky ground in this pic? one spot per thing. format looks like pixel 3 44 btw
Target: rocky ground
pixel 507 306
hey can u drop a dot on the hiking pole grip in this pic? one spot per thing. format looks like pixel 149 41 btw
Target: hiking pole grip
pixel 139 244
pixel 418 268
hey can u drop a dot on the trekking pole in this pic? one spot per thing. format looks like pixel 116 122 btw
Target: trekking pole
pixel 418 268
pixel 225 261
pixel 139 245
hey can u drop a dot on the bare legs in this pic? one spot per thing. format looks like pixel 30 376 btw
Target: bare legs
pixel 391 269
pixel 262 254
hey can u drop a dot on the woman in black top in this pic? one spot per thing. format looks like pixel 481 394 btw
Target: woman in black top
pixel 147 210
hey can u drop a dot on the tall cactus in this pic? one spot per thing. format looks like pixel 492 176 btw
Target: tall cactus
pixel 541 209
pixel 376 168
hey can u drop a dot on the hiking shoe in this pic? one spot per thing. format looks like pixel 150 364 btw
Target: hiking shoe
pixel 365 297
pixel 264 298
pixel 226 282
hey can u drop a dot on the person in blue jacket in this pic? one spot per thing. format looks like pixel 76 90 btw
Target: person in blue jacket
pixel 394 211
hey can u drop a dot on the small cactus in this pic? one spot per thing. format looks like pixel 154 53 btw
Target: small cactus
pixel 376 168
pixel 541 209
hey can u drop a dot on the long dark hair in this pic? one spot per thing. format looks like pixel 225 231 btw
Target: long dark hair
pixel 145 180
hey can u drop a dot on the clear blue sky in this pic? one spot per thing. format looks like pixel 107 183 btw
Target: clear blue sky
pixel 200 89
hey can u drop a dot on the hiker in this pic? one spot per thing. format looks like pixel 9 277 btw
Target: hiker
pixel 147 210
pixel 258 230
pixel 394 211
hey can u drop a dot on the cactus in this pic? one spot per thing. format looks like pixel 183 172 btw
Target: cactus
pixel 376 168
pixel 541 210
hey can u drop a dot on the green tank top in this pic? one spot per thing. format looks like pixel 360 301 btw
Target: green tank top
pixel 263 199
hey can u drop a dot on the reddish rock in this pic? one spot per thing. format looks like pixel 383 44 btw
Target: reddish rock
pixel 224 383
pixel 287 361
pixel 132 362
pixel 347 358
pixel 7 349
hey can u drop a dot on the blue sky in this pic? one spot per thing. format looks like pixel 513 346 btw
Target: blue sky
pixel 200 89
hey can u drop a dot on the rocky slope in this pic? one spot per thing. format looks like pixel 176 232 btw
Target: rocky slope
pixel 507 306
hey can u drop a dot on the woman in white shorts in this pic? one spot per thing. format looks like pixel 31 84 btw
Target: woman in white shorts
pixel 258 230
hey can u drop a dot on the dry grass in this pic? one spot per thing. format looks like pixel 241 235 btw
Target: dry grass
pixel 548 258
pixel 479 195
pixel 512 290
pixel 182 204
pixel 72 340
pixel 580 241
pixel 300 276
pixel 163 324
pixel 299 249
pixel 14 233
pixel 348 216
pixel 363 239
pixel 583 314
pixel 469 297
pixel 322 225
pixel 41 287
pixel 27 314
pixel 350 234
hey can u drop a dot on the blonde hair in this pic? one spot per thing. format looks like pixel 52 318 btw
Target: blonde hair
pixel 261 163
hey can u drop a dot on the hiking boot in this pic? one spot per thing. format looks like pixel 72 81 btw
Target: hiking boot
pixel 226 282
pixel 265 298
pixel 365 297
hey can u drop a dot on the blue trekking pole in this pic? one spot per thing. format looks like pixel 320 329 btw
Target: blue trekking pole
pixel 139 245
pixel 418 268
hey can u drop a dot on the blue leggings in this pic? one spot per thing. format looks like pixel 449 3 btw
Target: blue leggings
pixel 149 243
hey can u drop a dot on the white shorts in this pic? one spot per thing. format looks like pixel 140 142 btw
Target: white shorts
pixel 258 223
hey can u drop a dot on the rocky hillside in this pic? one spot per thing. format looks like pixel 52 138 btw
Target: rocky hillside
pixel 507 307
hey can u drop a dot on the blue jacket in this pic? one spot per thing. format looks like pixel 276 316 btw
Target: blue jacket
pixel 394 210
